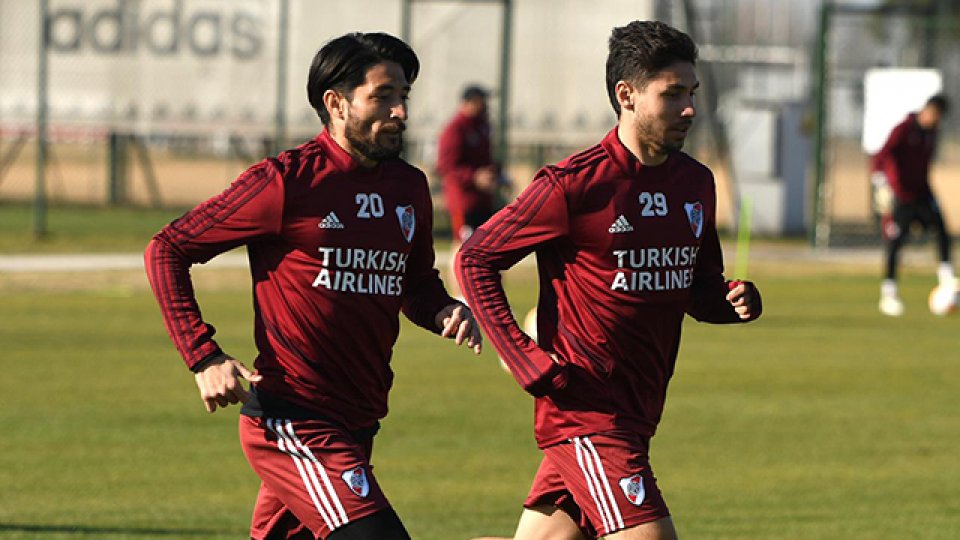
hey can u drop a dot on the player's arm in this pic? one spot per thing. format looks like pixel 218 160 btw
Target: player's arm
pixel 451 159
pixel 887 157
pixel 537 216
pixel 250 208
pixel 713 299
pixel 745 299
pixel 425 300
pixel 218 379
pixel 456 322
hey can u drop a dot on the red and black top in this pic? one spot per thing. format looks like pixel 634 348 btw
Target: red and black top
pixel 464 147
pixel 336 252
pixel 905 159
pixel 623 251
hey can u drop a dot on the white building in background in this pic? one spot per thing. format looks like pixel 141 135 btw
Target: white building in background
pixel 211 68
pixel 199 66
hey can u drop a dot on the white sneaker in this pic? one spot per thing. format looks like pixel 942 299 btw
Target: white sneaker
pixel 891 306
pixel 949 283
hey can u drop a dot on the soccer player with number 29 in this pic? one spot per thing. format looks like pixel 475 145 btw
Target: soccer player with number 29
pixel 626 244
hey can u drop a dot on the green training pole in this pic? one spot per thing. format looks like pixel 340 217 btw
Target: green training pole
pixel 743 239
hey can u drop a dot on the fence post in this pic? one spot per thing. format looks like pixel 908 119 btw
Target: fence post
pixel 280 126
pixel 40 189
pixel 116 168
pixel 819 232
pixel 406 20
pixel 505 53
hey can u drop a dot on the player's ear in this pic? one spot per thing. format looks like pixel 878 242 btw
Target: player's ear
pixel 624 92
pixel 335 102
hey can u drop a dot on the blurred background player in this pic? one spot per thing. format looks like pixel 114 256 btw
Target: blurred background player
pixel 468 174
pixel 902 180
pixel 626 243
pixel 338 233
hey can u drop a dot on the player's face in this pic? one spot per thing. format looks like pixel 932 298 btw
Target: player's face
pixel 477 107
pixel 376 112
pixel 929 117
pixel 664 108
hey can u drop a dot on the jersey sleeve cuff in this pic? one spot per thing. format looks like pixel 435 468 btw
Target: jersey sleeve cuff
pixel 555 378
pixel 206 361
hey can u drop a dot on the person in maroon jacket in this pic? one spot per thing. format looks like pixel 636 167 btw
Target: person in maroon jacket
pixel 903 166
pixel 626 244
pixel 338 233
pixel 469 176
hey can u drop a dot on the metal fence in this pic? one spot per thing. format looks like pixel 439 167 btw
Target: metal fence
pixel 135 102
pixel 754 99
pixel 853 40
pixel 164 102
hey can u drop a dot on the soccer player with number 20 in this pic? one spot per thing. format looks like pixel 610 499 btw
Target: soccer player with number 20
pixel 338 232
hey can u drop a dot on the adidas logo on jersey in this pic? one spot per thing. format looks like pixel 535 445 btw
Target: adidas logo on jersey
pixel 331 222
pixel 621 225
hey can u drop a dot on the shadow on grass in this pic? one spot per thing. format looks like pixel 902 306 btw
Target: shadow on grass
pixel 106 531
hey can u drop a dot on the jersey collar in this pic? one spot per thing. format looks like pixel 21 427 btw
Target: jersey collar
pixel 340 158
pixel 624 159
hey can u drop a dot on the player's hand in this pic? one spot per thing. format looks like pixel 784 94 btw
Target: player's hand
pixel 745 299
pixel 883 196
pixel 455 321
pixel 219 383
pixel 485 179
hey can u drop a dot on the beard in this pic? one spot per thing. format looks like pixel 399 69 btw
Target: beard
pixel 675 146
pixel 362 138
pixel 654 134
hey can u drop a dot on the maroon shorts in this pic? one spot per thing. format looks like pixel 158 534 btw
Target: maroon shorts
pixel 315 477
pixel 604 483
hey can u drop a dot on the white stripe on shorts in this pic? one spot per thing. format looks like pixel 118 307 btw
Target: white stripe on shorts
pixel 597 483
pixel 323 495
pixel 606 484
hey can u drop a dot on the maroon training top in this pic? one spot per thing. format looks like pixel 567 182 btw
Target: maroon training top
pixel 905 159
pixel 464 147
pixel 336 251
pixel 623 251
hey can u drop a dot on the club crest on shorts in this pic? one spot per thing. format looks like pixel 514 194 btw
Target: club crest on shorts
pixel 407 222
pixel 695 216
pixel 633 488
pixel 356 480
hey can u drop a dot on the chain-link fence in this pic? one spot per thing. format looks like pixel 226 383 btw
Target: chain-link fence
pixel 164 102
pixel 137 99
pixel 753 105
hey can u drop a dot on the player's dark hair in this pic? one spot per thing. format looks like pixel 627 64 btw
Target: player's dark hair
pixel 341 64
pixel 474 91
pixel 639 50
pixel 941 102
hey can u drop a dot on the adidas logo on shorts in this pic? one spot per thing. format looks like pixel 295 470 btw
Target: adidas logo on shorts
pixel 621 225
pixel 331 222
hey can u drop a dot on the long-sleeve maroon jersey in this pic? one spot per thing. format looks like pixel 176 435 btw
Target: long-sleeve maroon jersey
pixel 623 251
pixel 905 159
pixel 464 147
pixel 336 251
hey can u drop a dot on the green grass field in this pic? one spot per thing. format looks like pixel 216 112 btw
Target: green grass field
pixel 72 229
pixel 823 420
pixel 75 228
